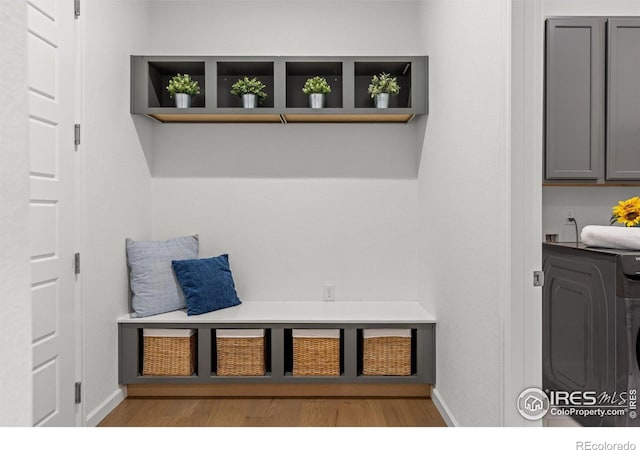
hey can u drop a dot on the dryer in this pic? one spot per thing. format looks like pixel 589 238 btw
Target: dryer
pixel 590 329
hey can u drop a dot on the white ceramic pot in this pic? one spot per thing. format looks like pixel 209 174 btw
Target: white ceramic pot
pixel 183 100
pixel 249 100
pixel 382 100
pixel 316 101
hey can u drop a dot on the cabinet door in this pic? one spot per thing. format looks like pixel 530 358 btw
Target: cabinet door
pixel 623 106
pixel 575 70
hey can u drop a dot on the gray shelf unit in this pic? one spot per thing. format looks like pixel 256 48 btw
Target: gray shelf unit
pixel 592 127
pixel 348 76
pixel 278 354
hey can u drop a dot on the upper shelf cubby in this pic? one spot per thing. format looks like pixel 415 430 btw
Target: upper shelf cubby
pixel 284 77
pixel 228 72
pixel 365 70
pixel 160 72
pixel 298 72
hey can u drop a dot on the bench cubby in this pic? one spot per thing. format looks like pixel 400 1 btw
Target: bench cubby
pixel 279 319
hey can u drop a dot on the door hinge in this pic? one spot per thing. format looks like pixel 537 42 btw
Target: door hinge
pixel 77 263
pixel 76 8
pixel 76 135
pixel 538 278
pixel 78 392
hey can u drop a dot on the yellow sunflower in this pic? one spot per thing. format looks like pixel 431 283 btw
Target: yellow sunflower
pixel 627 212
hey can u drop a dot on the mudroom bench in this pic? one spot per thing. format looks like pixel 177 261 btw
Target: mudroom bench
pixel 352 323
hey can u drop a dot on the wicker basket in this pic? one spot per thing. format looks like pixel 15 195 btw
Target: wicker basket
pixel 316 352
pixel 240 352
pixel 169 352
pixel 386 352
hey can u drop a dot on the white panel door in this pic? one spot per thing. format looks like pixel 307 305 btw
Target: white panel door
pixel 51 44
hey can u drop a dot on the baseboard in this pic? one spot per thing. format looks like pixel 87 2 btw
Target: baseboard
pixel 99 413
pixel 444 410
pixel 279 390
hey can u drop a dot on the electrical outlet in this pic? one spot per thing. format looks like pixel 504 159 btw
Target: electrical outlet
pixel 570 214
pixel 329 292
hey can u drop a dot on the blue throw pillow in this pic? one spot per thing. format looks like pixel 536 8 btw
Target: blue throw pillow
pixel 153 283
pixel 207 284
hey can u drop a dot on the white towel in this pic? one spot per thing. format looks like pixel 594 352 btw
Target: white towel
pixel 611 237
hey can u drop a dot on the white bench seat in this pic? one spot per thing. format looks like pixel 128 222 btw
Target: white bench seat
pixel 256 312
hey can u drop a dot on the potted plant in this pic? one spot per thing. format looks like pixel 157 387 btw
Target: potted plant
pixel 381 87
pixel 316 88
pixel 251 91
pixel 182 87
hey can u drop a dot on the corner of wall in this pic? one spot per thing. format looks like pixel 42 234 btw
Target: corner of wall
pixel 115 188
pixel 101 411
pixel 443 409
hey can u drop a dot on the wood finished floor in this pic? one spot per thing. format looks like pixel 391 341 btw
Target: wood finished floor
pixel 274 412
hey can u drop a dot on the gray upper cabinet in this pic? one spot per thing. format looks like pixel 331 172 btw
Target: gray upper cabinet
pixel 575 71
pixel 284 77
pixel 623 102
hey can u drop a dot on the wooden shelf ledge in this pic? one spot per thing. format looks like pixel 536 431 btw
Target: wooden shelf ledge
pixel 217 118
pixel 347 118
pixel 284 118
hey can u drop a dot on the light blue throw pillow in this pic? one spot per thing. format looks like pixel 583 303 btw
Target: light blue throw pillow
pixel 153 283
pixel 207 284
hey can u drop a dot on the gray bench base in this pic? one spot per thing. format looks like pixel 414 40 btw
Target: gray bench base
pixel 278 344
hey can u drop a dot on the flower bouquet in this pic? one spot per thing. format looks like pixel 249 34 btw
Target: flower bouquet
pixel 627 212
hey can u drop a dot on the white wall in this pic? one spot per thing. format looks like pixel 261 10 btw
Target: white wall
pixel 266 27
pixel 15 270
pixel 116 188
pixel 592 204
pixel 590 7
pixel 463 199
pixel 268 151
pixel 296 205
pixel 286 238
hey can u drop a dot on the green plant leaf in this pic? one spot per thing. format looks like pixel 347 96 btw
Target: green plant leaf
pixel 182 84
pixel 383 83
pixel 248 85
pixel 316 85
